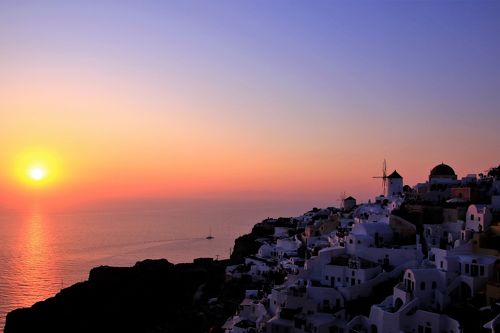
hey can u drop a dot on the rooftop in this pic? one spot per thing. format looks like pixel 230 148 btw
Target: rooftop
pixel 393 175
pixel 442 170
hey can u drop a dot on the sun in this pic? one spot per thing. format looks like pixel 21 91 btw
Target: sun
pixel 37 168
pixel 37 173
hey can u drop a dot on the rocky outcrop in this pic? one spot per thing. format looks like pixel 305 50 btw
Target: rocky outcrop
pixel 244 246
pixel 249 244
pixel 152 296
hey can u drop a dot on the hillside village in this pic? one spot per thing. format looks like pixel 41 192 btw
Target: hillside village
pixel 421 259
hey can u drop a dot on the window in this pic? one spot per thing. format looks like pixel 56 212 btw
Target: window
pixel 467 268
pixel 473 269
pixel 350 241
pixel 434 285
pixel 441 264
pixel 422 285
pixel 353 272
pixel 472 217
pixel 326 277
pixel 359 281
pixel 338 279
pixel 481 270
pixel 479 218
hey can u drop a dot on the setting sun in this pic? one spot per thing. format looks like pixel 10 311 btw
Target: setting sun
pixel 37 173
pixel 38 166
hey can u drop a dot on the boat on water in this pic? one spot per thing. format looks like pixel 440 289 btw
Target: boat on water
pixel 210 234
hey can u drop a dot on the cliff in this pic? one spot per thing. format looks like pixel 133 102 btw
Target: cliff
pixel 152 296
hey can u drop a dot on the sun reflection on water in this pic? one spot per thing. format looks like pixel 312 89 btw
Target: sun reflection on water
pixel 42 251
pixel 35 268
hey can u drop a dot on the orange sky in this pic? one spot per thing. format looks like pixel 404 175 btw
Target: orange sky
pixel 198 106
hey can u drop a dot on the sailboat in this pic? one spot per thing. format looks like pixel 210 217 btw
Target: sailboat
pixel 210 234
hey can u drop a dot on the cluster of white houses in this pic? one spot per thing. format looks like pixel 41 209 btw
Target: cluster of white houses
pixel 367 270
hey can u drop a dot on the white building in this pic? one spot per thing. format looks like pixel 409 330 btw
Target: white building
pixel 348 203
pixel 478 218
pixel 394 185
pixel 344 271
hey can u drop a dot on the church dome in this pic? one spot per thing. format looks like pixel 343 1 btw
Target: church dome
pixel 442 170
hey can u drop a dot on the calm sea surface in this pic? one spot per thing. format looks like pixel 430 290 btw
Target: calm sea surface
pixel 41 252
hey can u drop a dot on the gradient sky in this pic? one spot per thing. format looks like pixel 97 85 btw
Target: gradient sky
pixel 245 99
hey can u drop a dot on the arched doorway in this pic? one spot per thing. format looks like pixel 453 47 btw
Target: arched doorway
pixel 398 304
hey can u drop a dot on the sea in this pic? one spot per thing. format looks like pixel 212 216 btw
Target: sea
pixel 42 252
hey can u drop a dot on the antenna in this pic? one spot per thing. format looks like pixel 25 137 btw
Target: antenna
pixel 341 198
pixel 383 177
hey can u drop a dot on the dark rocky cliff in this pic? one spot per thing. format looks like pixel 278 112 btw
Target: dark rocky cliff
pixel 152 296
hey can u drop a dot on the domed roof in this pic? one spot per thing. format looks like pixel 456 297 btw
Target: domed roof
pixel 442 170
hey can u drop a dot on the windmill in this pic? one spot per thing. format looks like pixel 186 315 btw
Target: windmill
pixel 384 176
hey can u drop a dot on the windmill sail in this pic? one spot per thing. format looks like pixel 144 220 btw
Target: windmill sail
pixel 383 177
